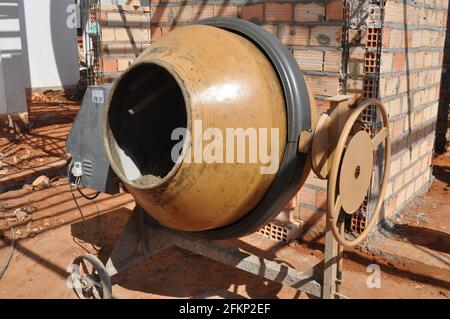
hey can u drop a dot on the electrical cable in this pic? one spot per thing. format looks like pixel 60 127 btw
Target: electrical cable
pixel 102 240
pixel 85 196
pixel 77 182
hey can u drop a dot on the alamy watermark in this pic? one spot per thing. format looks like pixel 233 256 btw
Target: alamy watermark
pixel 374 279
pixel 232 145
pixel 71 21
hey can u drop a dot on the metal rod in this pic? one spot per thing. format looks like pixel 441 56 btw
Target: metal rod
pixel 149 99
pixel 146 77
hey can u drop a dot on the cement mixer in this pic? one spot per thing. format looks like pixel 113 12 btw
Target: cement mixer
pixel 213 130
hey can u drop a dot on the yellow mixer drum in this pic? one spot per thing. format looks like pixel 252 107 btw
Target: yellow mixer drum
pixel 198 129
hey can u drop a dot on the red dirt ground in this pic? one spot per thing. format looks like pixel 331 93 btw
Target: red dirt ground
pixel 419 235
pixel 51 116
pixel 51 234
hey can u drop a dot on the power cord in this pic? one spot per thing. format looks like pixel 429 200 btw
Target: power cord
pixel 77 182
pixel 88 234
pixel 85 196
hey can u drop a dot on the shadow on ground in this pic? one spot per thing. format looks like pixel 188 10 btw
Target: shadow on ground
pixel 176 273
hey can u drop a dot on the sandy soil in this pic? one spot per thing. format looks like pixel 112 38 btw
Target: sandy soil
pixel 51 116
pixel 53 234
pixel 419 235
pixel 50 234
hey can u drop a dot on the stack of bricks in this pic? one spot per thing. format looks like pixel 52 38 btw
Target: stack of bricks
pixel 409 73
pixel 125 33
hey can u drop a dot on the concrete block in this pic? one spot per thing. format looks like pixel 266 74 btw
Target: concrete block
pixel 309 12
pixel 252 12
pixel 110 65
pixel 293 35
pixel 108 34
pixel 124 64
pixel 323 85
pixel 332 61
pixel 334 10
pixel 278 12
pixel 309 59
pixel 326 36
pixel 307 196
pixel 202 12
pixel 230 11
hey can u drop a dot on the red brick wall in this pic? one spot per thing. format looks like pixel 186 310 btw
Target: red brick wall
pixel 413 41
pixel 442 126
pixel 312 30
pixel 409 80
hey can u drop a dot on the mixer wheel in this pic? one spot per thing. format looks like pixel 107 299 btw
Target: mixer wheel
pixel 90 279
pixel 351 172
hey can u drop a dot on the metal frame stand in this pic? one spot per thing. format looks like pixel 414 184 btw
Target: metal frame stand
pixel 142 238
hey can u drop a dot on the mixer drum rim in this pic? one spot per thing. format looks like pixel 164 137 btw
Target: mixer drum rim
pixel 291 172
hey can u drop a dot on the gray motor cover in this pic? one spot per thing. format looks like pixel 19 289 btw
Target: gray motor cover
pixel 85 143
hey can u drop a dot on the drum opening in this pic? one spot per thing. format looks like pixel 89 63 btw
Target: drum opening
pixel 146 106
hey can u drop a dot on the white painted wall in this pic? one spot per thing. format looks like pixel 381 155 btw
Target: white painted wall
pixel 38 48
pixel 50 40
pixel 12 84
pixel 12 67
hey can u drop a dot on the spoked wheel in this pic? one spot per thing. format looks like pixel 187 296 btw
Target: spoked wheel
pixel 351 173
pixel 90 279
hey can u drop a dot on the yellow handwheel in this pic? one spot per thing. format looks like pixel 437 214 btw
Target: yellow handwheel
pixel 354 168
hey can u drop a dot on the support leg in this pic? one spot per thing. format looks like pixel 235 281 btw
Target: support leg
pixel 330 265
pixel 161 238
pixel 128 249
